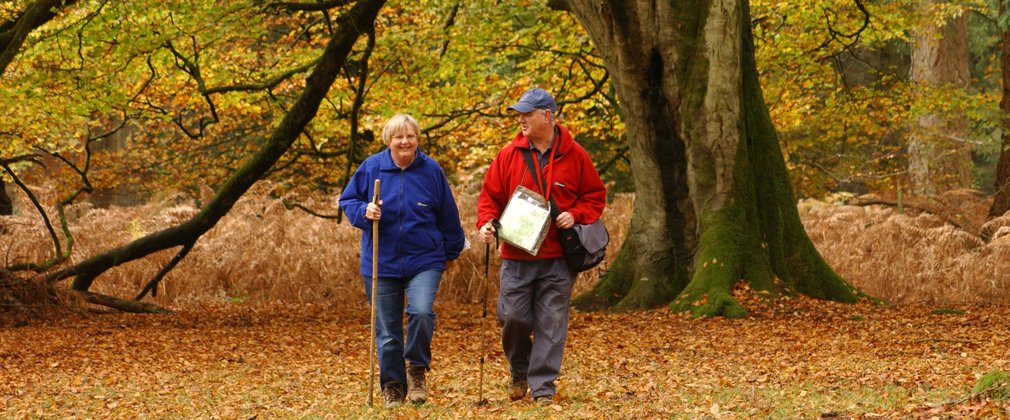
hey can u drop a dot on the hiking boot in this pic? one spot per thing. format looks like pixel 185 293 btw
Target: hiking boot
pixel 544 400
pixel 417 390
pixel 517 389
pixel 392 393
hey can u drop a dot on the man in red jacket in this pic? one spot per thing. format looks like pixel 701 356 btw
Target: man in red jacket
pixel 535 290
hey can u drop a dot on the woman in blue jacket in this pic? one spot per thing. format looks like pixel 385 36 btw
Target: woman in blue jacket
pixel 419 233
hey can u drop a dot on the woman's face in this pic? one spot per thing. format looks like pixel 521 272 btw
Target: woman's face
pixel 403 146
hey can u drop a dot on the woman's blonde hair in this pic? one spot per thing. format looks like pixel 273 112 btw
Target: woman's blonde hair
pixel 397 124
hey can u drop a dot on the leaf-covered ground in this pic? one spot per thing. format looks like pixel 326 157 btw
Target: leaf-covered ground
pixel 791 358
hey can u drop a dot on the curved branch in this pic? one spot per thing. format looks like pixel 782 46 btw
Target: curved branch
pixel 21 158
pixel 454 115
pixel 266 85
pixel 318 6
pixel 289 205
pixel 14 33
pixel 192 67
pixel 152 286
pixel 38 206
pixel 850 38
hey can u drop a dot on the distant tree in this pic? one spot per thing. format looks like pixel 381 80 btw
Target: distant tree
pixel 939 157
pixel 6 206
pixel 1001 190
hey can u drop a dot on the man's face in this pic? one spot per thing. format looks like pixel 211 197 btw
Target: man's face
pixel 536 122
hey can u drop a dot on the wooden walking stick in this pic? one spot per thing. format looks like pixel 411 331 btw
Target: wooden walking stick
pixel 375 285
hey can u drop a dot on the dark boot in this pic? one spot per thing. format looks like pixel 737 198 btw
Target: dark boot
pixel 544 400
pixel 417 390
pixel 517 389
pixel 392 393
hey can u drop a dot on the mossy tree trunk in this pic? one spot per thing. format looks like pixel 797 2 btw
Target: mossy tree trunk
pixel 713 202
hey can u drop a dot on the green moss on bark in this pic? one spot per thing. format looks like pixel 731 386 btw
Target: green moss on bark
pixel 719 262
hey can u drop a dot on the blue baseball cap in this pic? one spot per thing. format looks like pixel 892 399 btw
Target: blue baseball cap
pixel 535 98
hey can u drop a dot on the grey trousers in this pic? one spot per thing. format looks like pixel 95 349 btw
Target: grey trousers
pixel 533 298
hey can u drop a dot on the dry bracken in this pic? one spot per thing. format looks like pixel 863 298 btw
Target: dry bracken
pixel 263 251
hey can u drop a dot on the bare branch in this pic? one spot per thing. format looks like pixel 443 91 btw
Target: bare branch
pixel 192 67
pixel 13 34
pixel 152 286
pixel 449 22
pixel 318 6
pixel 265 85
pixel 21 158
pixel 38 206
pixel 290 205
pixel 848 40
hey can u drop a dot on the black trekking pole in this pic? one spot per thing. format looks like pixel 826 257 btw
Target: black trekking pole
pixel 483 316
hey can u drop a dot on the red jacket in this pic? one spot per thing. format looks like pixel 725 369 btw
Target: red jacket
pixel 576 188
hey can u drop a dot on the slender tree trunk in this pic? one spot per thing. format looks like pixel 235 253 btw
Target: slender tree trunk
pixel 713 201
pixel 1001 196
pixel 938 157
pixel 6 206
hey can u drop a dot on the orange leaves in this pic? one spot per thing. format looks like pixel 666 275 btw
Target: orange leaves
pixel 791 358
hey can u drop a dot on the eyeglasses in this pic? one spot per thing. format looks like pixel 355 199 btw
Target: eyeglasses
pixel 410 136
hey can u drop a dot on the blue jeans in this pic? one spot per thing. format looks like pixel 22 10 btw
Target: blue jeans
pixel 420 292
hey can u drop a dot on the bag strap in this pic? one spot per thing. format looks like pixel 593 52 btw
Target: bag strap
pixel 528 157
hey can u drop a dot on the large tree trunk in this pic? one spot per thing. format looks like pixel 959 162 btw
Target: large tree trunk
pixel 939 159
pixel 713 201
pixel 357 21
pixel 1001 196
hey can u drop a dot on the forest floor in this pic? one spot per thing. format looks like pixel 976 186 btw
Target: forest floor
pixel 790 358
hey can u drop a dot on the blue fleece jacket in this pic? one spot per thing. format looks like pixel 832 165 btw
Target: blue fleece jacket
pixel 419 229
